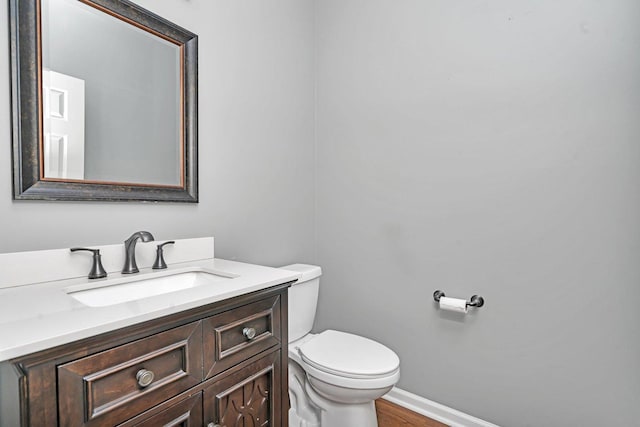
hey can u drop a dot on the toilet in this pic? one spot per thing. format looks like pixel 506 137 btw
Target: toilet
pixel 334 377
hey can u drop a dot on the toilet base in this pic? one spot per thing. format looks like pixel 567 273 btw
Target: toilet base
pixel 361 415
pixel 310 409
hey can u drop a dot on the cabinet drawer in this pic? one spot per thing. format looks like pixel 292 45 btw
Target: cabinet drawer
pixel 187 413
pixel 109 387
pixel 238 334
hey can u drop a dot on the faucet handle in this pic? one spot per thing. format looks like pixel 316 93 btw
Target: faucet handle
pixel 159 264
pixel 97 270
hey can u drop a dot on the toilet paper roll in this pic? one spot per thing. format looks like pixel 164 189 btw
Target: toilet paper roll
pixel 453 304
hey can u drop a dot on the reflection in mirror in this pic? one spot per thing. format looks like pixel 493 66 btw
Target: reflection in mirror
pixel 63 123
pixel 104 102
pixel 111 98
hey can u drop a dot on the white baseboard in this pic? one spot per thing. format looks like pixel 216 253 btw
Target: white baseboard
pixel 434 410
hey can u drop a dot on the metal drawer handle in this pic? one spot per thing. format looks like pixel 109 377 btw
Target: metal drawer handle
pixel 144 377
pixel 249 333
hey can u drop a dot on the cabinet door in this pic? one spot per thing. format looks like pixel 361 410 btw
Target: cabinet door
pixel 246 396
pixel 187 413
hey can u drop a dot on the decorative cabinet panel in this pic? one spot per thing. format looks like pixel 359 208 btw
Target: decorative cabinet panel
pixel 247 396
pixel 224 363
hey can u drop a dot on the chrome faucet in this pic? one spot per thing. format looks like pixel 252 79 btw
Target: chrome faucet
pixel 130 265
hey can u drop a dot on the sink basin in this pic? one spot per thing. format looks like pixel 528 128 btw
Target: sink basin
pixel 125 289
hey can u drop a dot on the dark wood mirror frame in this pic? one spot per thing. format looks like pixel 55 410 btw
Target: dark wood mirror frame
pixel 26 100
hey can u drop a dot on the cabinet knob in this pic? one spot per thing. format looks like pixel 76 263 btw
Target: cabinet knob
pixel 249 333
pixel 144 377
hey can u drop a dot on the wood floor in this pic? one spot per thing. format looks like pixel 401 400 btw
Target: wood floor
pixel 392 415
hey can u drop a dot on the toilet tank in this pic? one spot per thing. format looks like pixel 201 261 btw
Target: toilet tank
pixel 303 299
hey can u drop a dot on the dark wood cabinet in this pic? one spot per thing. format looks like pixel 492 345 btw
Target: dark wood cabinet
pixel 236 335
pixel 187 413
pixel 246 396
pixel 221 364
pixel 107 387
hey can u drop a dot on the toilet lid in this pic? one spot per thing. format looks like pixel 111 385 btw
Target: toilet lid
pixel 349 355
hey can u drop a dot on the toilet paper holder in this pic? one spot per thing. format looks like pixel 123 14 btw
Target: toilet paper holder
pixel 475 301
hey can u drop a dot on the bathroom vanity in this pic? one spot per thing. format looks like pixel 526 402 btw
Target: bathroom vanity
pixel 208 355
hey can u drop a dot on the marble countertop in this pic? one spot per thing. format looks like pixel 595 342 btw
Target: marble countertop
pixel 43 315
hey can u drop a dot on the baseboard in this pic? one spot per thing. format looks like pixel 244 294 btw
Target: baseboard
pixel 434 410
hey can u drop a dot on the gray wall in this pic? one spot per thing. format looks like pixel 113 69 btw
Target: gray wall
pixel 491 148
pixel 256 143
pixel 475 147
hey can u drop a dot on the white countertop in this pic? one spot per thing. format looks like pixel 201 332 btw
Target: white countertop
pixel 43 315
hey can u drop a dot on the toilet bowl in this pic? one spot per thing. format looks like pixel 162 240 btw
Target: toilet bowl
pixel 334 377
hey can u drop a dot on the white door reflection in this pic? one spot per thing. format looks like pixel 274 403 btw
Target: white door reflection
pixel 63 125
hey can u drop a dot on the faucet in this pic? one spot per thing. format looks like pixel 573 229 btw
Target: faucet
pixel 130 265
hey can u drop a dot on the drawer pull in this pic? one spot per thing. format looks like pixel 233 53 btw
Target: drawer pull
pixel 144 377
pixel 249 333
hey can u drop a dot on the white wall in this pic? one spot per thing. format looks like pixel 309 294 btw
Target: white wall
pixel 490 148
pixel 256 143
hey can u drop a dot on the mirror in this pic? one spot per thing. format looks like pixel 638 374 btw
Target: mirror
pixel 104 98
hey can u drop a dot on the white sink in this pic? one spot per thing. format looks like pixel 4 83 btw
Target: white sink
pixel 133 288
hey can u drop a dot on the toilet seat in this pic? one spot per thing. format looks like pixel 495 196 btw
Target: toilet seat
pixel 348 360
